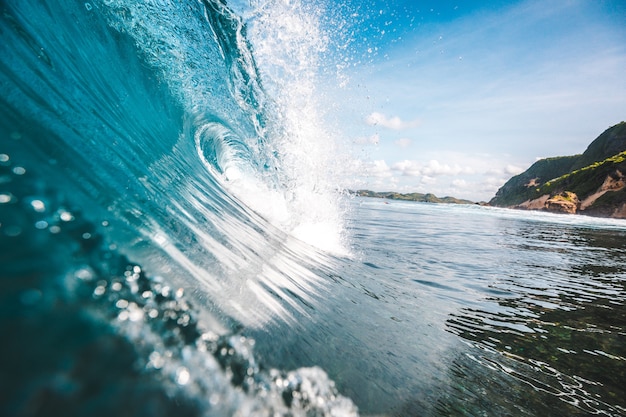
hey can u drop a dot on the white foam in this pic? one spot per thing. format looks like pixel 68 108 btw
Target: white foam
pixel 288 42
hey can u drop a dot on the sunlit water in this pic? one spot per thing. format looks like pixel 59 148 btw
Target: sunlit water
pixel 466 310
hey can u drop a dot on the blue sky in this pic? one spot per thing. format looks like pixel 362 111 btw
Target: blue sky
pixel 455 97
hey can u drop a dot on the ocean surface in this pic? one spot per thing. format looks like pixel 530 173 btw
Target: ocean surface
pixel 470 310
pixel 173 240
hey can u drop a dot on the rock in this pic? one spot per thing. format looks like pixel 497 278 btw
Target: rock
pixel 535 204
pixel 565 202
pixel 620 212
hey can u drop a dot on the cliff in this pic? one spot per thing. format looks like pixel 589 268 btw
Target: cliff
pixel 592 183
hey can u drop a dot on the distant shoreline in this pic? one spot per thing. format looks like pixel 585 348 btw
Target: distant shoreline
pixel 418 197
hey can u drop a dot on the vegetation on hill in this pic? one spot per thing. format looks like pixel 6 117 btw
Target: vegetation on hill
pixel 609 143
pixel 596 178
pixel 523 186
pixel 424 198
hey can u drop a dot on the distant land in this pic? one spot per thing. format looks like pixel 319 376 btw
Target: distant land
pixel 424 198
pixel 592 183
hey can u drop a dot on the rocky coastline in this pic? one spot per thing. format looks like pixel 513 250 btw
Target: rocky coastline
pixel 593 183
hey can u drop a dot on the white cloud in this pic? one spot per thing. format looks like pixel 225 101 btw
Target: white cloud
pixel 373 175
pixel 434 167
pixel 492 184
pixel 370 140
pixel 413 176
pixel 508 170
pixel 393 122
pixel 513 170
pixel 428 180
pixel 404 142
pixel 407 168
pixel 379 169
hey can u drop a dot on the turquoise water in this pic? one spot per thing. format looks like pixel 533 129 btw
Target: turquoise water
pixel 172 242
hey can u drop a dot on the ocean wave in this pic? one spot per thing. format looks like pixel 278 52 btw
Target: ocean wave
pixel 142 130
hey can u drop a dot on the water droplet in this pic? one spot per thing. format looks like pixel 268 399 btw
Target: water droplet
pixel 182 376
pixel 209 336
pixel 5 198
pixel 121 303
pixel 66 216
pixel 19 170
pixel 135 313
pixel 41 224
pixel 156 360
pixel 84 274
pixel 38 206
pixel 183 320
pixel 54 229
pixel 4 157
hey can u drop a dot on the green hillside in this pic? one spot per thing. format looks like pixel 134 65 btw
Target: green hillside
pixel 609 143
pixel 595 178
pixel 524 186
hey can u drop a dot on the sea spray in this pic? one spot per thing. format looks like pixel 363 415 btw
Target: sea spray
pixel 290 41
